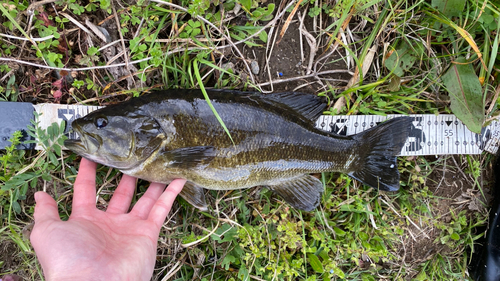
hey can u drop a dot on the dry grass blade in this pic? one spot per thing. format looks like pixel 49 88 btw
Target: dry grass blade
pixel 288 21
pixel 77 23
pixel 365 66
pixel 98 32
pixel 493 102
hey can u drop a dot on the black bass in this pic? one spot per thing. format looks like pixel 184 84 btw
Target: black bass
pixel 171 134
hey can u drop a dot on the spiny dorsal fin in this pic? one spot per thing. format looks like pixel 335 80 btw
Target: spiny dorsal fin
pixel 302 193
pixel 194 195
pixel 308 105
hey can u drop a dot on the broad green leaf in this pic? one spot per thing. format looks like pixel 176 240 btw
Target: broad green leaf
pixel 422 276
pixel 315 263
pixel 450 8
pixel 338 231
pixel 403 58
pixel 247 4
pixel 263 36
pixel 465 93
pixel 243 273
pixel 363 236
pixel 16 207
pixel 226 262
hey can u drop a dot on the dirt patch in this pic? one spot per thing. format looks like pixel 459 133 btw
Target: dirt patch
pixel 284 62
pixel 454 194
pixel 290 58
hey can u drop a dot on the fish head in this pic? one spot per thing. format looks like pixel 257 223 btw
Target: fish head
pixel 121 141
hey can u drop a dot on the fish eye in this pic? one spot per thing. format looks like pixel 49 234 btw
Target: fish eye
pixel 101 122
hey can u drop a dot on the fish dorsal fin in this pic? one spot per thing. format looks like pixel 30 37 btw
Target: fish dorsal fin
pixel 302 193
pixel 194 195
pixel 189 157
pixel 308 105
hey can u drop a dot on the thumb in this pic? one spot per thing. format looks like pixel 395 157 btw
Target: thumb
pixel 46 208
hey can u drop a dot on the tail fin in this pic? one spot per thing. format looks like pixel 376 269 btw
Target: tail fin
pixel 378 149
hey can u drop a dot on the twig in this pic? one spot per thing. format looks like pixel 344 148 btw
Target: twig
pixel 28 39
pixel 269 53
pixel 30 23
pixel 493 101
pixel 303 85
pixel 125 55
pixel 301 19
pixel 76 69
pixel 415 225
pixel 97 32
pixel 98 67
pixel 108 45
pixel 302 77
pixel 201 239
pixel 34 5
pixel 188 40
pixel 312 48
pixel 443 177
pixel 348 57
pixel 177 266
pixel 81 26
pixel 7 75
pixel 336 44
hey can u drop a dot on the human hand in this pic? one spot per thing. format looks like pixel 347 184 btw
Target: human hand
pixel 101 245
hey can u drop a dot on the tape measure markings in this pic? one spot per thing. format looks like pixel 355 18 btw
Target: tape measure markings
pixel 431 134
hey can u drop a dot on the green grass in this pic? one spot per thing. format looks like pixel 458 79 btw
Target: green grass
pixel 418 233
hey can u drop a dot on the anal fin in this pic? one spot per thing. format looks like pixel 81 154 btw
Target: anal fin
pixel 302 193
pixel 195 195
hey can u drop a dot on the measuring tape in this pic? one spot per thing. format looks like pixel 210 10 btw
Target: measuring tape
pixel 431 135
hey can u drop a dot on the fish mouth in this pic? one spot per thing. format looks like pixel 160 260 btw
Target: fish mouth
pixel 75 145
pixel 85 145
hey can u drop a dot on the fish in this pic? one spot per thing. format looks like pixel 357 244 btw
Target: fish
pixel 269 140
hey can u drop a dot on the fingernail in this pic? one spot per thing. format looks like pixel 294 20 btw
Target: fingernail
pixel 37 196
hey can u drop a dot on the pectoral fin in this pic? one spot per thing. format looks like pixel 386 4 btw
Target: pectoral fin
pixel 303 193
pixel 195 195
pixel 190 156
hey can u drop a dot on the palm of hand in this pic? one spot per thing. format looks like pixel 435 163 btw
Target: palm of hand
pixel 98 245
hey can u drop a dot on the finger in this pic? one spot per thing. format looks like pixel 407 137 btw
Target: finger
pixel 84 193
pixel 162 207
pixel 45 208
pixel 120 202
pixel 147 201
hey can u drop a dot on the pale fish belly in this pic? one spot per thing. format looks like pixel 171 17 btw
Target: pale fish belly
pixel 255 174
